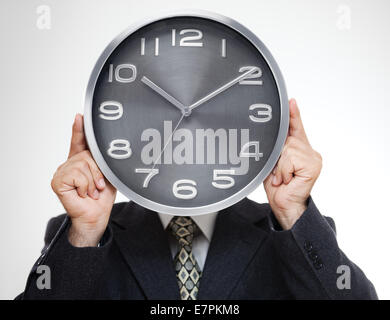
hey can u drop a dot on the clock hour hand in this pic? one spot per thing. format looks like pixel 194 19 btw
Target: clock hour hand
pixel 163 93
pixel 221 89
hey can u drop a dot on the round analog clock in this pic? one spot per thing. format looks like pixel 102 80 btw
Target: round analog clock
pixel 187 113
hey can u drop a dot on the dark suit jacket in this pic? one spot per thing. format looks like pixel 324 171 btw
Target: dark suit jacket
pixel 250 257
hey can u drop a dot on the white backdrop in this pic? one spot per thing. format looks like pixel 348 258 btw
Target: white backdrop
pixel 334 57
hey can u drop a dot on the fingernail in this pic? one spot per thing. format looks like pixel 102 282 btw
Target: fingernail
pixel 102 184
pixel 76 122
pixel 96 194
pixel 275 180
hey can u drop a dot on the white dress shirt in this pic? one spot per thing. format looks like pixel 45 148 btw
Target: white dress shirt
pixel 201 243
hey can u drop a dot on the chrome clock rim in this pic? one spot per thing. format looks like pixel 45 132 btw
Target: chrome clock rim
pixel 252 185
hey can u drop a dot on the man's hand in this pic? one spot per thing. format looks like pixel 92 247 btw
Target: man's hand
pixel 290 184
pixel 86 196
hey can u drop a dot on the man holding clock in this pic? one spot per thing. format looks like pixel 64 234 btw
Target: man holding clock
pixel 186 114
pixel 282 250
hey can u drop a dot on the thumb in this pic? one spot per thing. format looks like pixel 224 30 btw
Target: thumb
pixel 78 143
pixel 296 125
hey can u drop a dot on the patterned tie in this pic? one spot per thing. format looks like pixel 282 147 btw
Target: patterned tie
pixel 187 269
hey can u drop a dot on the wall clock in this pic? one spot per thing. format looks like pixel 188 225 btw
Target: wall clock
pixel 186 113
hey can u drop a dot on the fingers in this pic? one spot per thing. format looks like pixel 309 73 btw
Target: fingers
pixel 82 184
pixel 284 171
pixel 296 126
pixel 80 173
pixel 70 178
pixel 84 162
pixel 295 143
pixel 298 160
pixel 287 170
pixel 78 142
pixel 289 161
pixel 84 168
pixel 97 176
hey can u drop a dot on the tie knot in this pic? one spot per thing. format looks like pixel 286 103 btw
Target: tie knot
pixel 183 229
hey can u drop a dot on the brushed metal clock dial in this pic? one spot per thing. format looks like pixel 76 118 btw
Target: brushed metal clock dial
pixel 186 113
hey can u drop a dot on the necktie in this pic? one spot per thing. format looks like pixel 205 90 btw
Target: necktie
pixel 187 269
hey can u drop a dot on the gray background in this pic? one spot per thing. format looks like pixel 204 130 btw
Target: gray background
pixel 336 68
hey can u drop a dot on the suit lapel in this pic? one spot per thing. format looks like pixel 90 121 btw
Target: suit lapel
pixel 235 241
pixel 145 247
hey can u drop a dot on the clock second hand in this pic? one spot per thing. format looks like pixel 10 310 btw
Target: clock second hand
pixel 169 140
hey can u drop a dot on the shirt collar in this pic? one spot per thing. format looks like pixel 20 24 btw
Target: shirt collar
pixel 205 222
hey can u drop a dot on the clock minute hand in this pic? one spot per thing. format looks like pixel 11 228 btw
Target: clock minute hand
pixel 221 89
pixel 163 93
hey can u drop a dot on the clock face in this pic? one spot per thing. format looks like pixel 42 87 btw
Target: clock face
pixel 186 114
